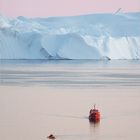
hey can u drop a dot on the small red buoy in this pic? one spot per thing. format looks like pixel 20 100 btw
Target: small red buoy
pixel 51 136
pixel 94 115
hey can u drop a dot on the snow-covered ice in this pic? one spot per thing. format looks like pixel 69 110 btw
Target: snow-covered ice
pixel 94 36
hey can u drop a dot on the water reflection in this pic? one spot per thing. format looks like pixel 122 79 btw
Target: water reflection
pixel 70 73
pixel 94 129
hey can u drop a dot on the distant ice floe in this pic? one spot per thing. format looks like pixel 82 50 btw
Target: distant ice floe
pixel 95 36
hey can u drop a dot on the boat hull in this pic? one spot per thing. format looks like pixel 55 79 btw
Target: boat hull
pixel 94 117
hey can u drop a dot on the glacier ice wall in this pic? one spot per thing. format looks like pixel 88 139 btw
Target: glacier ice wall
pixel 95 36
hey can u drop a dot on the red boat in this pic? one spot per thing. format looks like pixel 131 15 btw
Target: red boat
pixel 94 115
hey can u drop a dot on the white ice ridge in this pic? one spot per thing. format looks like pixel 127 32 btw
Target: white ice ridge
pixel 95 36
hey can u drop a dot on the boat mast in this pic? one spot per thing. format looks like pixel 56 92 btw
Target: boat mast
pixel 94 106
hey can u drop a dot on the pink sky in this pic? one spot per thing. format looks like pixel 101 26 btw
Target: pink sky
pixel 44 8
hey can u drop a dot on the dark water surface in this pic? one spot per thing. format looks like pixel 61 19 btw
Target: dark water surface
pixel 70 73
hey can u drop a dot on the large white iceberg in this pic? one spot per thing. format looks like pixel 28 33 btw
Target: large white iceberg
pixel 95 36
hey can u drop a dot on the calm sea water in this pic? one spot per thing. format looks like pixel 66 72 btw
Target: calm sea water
pixel 40 97
pixel 70 73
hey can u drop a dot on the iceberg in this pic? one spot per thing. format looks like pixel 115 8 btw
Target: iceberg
pixel 95 36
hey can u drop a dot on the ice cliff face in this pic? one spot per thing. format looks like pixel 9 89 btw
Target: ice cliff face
pixel 96 36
